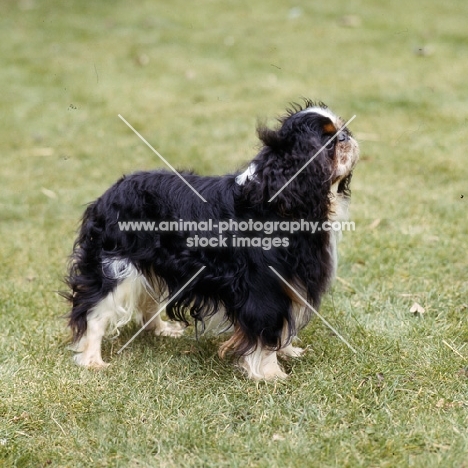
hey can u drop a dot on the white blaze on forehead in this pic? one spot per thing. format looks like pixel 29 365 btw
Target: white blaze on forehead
pixel 325 112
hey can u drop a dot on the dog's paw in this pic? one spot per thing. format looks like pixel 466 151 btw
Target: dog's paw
pixel 274 373
pixel 173 329
pixel 92 362
pixel 269 369
pixel 291 351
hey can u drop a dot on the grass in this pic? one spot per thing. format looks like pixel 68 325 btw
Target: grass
pixel 194 79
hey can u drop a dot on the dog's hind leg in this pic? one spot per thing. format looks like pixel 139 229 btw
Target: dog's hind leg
pixel 162 327
pixel 151 316
pixel 89 346
pixel 114 310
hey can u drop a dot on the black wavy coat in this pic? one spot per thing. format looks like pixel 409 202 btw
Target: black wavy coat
pixel 238 280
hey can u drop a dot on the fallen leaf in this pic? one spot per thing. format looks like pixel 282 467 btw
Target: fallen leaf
pixel 277 437
pixel 43 151
pixel 49 193
pixel 417 309
pixel 191 350
pixel 423 51
pixel 294 13
pixel 350 21
pixel 142 60
pixel 449 404
pixel 374 223
pixel 346 283
pixel 21 417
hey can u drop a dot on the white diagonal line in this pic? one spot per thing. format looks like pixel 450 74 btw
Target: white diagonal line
pixel 161 309
pixel 159 155
pixel 454 350
pixel 313 310
pixel 311 159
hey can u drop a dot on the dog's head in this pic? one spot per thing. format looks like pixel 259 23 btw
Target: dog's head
pixel 304 161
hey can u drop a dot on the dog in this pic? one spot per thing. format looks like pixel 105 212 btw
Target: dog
pixel 302 172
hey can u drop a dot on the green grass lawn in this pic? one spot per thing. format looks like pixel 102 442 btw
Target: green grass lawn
pixel 194 78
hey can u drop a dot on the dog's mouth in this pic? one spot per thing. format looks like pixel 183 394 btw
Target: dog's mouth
pixel 346 158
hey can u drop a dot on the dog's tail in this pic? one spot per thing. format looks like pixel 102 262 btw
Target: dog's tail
pixel 87 285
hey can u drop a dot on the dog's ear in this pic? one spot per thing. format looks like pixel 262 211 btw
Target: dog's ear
pixel 300 131
pixel 290 178
pixel 344 186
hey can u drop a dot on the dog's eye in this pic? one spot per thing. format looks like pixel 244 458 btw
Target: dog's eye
pixel 330 141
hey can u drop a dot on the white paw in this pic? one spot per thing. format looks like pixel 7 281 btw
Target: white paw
pixel 291 351
pixel 90 361
pixel 266 371
pixel 273 373
pixel 173 329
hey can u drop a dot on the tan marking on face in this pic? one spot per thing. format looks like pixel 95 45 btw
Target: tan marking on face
pixel 329 128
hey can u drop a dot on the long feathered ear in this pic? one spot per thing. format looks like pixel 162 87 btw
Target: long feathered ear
pixel 344 186
pixel 278 186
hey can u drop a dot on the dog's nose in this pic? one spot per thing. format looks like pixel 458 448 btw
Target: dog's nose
pixel 343 137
